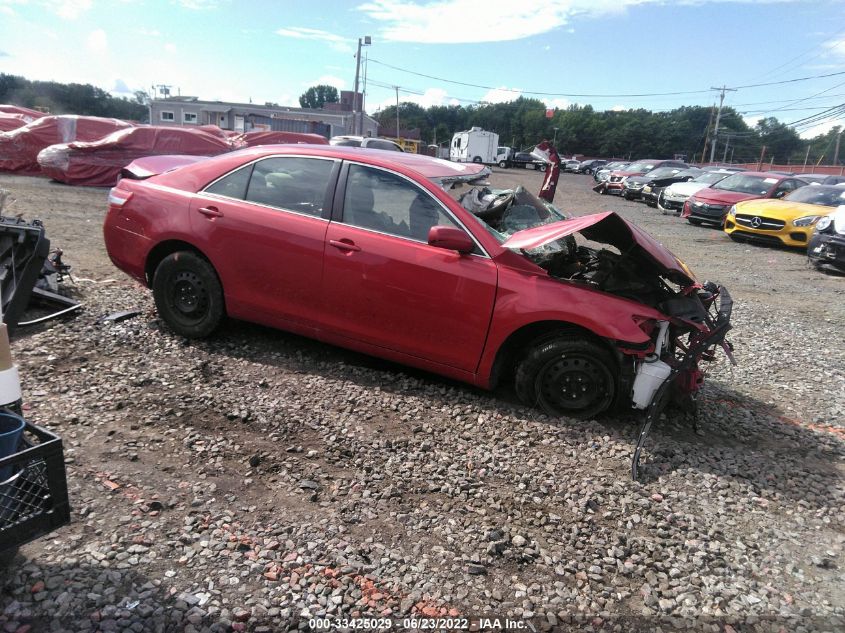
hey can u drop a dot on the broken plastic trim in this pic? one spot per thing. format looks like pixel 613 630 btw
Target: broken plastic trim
pixel 716 336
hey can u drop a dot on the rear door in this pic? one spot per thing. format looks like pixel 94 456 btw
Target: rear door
pixel 264 226
pixel 385 285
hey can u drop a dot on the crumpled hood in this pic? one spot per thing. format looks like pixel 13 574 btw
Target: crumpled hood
pixel 609 228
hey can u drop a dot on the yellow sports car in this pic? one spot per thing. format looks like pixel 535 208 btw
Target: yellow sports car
pixel 788 221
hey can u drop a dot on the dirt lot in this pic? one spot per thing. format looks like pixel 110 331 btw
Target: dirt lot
pixel 258 479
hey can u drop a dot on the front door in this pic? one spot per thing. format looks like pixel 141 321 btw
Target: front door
pixel 385 285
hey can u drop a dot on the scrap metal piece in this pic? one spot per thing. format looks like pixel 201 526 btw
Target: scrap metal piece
pixel 117 317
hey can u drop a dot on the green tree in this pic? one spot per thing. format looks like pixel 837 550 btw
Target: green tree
pixel 318 95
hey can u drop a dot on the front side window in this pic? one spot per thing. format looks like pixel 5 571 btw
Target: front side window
pixel 387 203
pixel 292 183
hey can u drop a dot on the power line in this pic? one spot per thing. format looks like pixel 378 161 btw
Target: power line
pixel 621 95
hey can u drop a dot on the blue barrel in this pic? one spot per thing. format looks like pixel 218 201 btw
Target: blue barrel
pixel 11 428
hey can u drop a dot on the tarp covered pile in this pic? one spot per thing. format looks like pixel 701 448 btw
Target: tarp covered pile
pixel 98 163
pixel 87 150
pixel 19 148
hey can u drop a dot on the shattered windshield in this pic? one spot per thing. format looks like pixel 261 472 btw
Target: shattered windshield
pixel 503 212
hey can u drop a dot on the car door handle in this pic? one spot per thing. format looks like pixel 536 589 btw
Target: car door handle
pixel 210 212
pixel 344 245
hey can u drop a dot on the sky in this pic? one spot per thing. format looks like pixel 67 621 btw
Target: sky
pixel 611 54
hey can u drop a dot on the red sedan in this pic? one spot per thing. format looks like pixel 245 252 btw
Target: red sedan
pixel 711 205
pixel 399 256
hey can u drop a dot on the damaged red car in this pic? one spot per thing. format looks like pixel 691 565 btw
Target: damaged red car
pixel 416 260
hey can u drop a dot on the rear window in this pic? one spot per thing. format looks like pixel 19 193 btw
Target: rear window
pixel 818 194
pixel 383 145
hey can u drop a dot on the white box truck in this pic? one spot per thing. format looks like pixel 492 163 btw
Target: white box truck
pixel 474 146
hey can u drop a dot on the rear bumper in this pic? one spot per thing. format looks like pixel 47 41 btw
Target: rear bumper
pixel 127 250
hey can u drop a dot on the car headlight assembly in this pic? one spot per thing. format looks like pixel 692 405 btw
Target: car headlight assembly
pixel 732 211
pixel 823 223
pixel 807 220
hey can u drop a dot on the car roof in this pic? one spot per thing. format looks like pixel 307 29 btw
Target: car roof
pixel 425 166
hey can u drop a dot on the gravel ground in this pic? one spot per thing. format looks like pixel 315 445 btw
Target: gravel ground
pixel 256 480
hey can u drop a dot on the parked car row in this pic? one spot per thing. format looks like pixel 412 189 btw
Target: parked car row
pixel 776 208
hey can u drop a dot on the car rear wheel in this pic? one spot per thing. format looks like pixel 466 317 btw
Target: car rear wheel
pixel 188 294
pixel 542 168
pixel 567 376
pixel 503 164
pixel 477 159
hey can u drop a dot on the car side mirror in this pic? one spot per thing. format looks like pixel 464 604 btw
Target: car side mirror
pixel 780 194
pixel 450 238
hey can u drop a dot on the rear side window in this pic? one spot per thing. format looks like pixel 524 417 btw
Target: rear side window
pixel 295 184
pixel 348 142
pixel 232 185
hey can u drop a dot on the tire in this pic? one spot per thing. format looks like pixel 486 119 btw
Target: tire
pixel 542 168
pixel 477 159
pixel 503 164
pixel 694 222
pixel 554 368
pixel 188 294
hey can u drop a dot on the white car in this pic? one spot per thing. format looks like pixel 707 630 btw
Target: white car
pixel 365 141
pixel 673 197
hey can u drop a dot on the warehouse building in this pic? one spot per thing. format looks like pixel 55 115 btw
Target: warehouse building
pixel 246 117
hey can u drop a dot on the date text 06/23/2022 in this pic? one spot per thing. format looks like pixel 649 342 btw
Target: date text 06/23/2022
pixel 491 623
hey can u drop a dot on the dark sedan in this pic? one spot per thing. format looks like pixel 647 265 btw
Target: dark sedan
pixel 654 187
pixel 634 187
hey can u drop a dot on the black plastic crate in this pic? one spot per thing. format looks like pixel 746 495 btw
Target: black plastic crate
pixel 33 499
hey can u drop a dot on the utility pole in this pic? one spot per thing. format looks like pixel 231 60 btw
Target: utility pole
pixel 707 134
pixel 363 98
pixel 356 104
pixel 762 155
pixel 806 158
pixel 836 151
pixel 725 154
pixel 718 116
pixel 397 111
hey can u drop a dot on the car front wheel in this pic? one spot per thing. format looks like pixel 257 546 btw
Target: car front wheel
pixel 567 376
pixel 542 168
pixel 188 294
pixel 503 164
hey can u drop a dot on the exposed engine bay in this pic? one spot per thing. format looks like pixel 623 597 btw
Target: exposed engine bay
pixel 603 258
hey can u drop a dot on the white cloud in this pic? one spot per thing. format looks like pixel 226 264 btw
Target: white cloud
pixel 337 42
pixel 328 80
pixel 170 47
pixel 199 5
pixel 837 47
pixel 98 42
pixel 120 87
pixel 148 32
pixel 471 21
pixel 501 95
pixel 821 128
pixel 618 108
pixel 559 103
pixel 69 9
pixel 431 97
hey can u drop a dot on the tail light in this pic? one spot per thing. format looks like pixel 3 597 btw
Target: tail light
pixel 686 212
pixel 118 197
